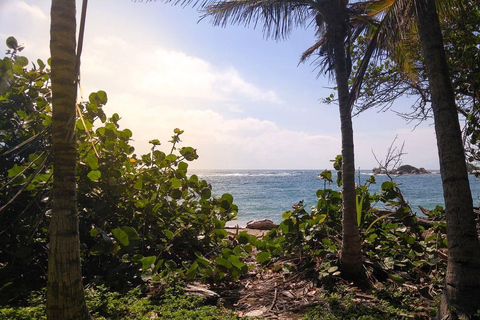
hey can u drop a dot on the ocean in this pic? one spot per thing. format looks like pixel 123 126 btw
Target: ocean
pixel 267 194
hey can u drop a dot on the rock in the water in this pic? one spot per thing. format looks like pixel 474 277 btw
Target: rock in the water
pixel 408 169
pixel 264 224
pixel 405 169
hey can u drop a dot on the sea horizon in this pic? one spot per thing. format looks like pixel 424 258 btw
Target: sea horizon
pixel 267 193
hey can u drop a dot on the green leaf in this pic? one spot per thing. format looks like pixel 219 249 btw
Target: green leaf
pixel 132 233
pixel 396 278
pixel 155 142
pixel 388 185
pixel 189 153
pixel 206 193
pixel 221 232
pixel 235 261
pixel 97 249
pixel 227 197
pixel 21 61
pixel 171 265
pixel 264 256
pixel 94 232
pixel 15 170
pixel 147 262
pixel 183 166
pixel 139 184
pixel 192 271
pixel 137 258
pixel 41 64
pixel 176 194
pixel 12 43
pixel 94 175
pixel 171 157
pixel 169 234
pixel 176 183
pixel 121 236
pixel 92 161
pixel 202 260
pixel 223 262
pixel 102 96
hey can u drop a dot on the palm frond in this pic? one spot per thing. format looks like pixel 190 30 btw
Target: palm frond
pixel 323 61
pixel 395 16
pixel 278 17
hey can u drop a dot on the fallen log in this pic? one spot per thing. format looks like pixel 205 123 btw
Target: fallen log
pixel 202 292
pixel 264 224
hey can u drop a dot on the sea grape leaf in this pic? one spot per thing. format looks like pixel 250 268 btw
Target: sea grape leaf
pixel 176 183
pixel 121 236
pixel 147 262
pixel 264 256
pixel 223 262
pixel 94 175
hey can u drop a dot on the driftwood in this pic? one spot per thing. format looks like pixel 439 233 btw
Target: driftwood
pixel 264 224
pixel 203 292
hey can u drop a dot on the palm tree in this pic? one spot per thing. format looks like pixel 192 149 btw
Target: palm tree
pixel 461 294
pixel 334 27
pixel 462 280
pixel 65 297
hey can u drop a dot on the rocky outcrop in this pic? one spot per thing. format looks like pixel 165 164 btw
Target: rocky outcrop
pixel 408 169
pixel 405 169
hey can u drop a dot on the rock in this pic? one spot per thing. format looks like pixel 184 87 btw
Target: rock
pixel 405 169
pixel 379 171
pixel 264 224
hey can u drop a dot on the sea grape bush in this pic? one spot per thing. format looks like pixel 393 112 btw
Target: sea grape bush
pixel 141 216
pixel 395 246
pixel 25 116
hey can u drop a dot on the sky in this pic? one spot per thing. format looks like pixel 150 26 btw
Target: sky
pixel 243 101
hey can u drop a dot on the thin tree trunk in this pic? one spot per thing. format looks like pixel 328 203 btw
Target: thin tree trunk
pixel 462 281
pixel 351 254
pixel 65 296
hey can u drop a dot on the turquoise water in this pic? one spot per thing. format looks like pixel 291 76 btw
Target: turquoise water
pixel 268 193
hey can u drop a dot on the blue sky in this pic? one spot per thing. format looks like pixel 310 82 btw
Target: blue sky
pixel 243 101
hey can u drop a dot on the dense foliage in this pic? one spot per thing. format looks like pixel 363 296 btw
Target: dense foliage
pixel 141 216
pixel 132 304
pixel 395 245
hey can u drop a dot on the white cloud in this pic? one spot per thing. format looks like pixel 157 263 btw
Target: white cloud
pixel 167 75
pixel 22 8
pixel 29 24
pixel 225 143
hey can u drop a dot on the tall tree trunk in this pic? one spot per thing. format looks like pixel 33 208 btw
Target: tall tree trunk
pixel 65 296
pixel 462 281
pixel 351 254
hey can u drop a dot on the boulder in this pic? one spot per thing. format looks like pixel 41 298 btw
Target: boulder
pixel 263 224
pixel 405 169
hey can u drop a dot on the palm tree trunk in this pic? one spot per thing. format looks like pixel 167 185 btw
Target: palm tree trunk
pixel 65 297
pixel 462 281
pixel 351 254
